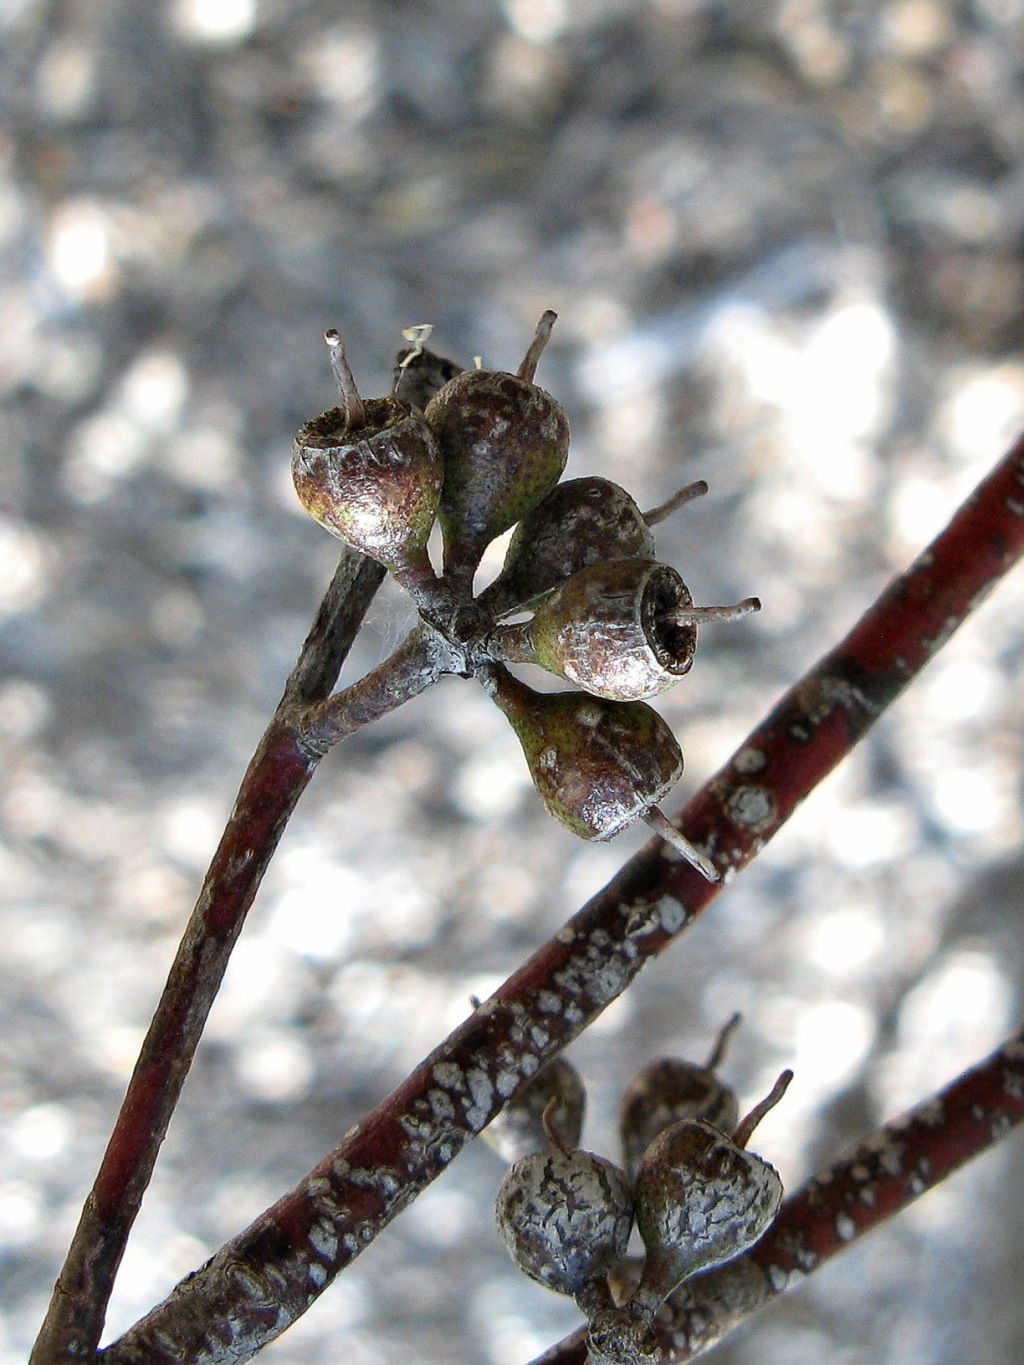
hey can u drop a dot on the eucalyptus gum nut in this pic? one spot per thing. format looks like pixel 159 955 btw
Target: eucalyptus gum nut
pixel 504 442
pixel 700 1201
pixel 565 1218
pixel 580 522
pixel 666 1092
pixel 519 1129
pixel 376 488
pixel 607 630
pixel 597 765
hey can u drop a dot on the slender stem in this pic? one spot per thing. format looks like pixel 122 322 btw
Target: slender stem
pixel 334 628
pixel 722 1042
pixel 355 417
pixel 664 829
pixel 541 337
pixel 273 782
pixel 419 661
pixel 677 500
pixel 512 644
pixel 693 616
pixel 265 1277
pixel 744 1130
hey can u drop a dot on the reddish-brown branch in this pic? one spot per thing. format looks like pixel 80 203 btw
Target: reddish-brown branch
pixel 870 1182
pixel 273 782
pixel 259 1282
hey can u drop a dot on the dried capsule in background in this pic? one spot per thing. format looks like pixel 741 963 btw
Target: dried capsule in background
pixel 370 473
pixel 670 1090
pixel 565 1216
pixel 504 443
pixel 519 1130
pixel 419 374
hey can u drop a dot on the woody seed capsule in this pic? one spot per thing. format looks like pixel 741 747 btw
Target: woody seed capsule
pixel 580 522
pixel 669 1090
pixel 701 1199
pixel 504 443
pixel 597 765
pixel 370 473
pixel 565 1217
pixel 554 1097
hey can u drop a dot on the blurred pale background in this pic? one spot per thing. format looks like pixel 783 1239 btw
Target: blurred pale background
pixel 784 239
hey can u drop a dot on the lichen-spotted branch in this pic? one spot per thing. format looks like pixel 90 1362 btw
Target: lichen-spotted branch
pixel 263 1279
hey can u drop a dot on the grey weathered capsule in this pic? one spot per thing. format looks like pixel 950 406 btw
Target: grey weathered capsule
pixel 565 1217
pixel 701 1199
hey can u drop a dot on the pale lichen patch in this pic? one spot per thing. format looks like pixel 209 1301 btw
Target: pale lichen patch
pixel 846 1228
pixel 505 1083
pixel 782 1278
pixel 607 982
pixel 441 1105
pixel 887 1152
pixel 671 914
pixel 449 1076
pixel 750 806
pixel 324 1240
pixel 749 760
pixel 482 1092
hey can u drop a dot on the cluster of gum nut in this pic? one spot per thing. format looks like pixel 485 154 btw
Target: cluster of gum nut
pixel 697 1196
pixel 481 451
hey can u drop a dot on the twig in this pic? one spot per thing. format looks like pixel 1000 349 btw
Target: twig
pixel 266 1277
pixel 873 1180
pixel 273 782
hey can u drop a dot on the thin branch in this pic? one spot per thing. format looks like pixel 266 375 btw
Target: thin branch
pixel 422 658
pixel 273 782
pixel 268 1275
pixel 334 628
pixel 873 1180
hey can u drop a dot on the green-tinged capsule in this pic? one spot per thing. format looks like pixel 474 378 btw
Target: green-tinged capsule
pixel 597 765
pixel 625 629
pixel 370 473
